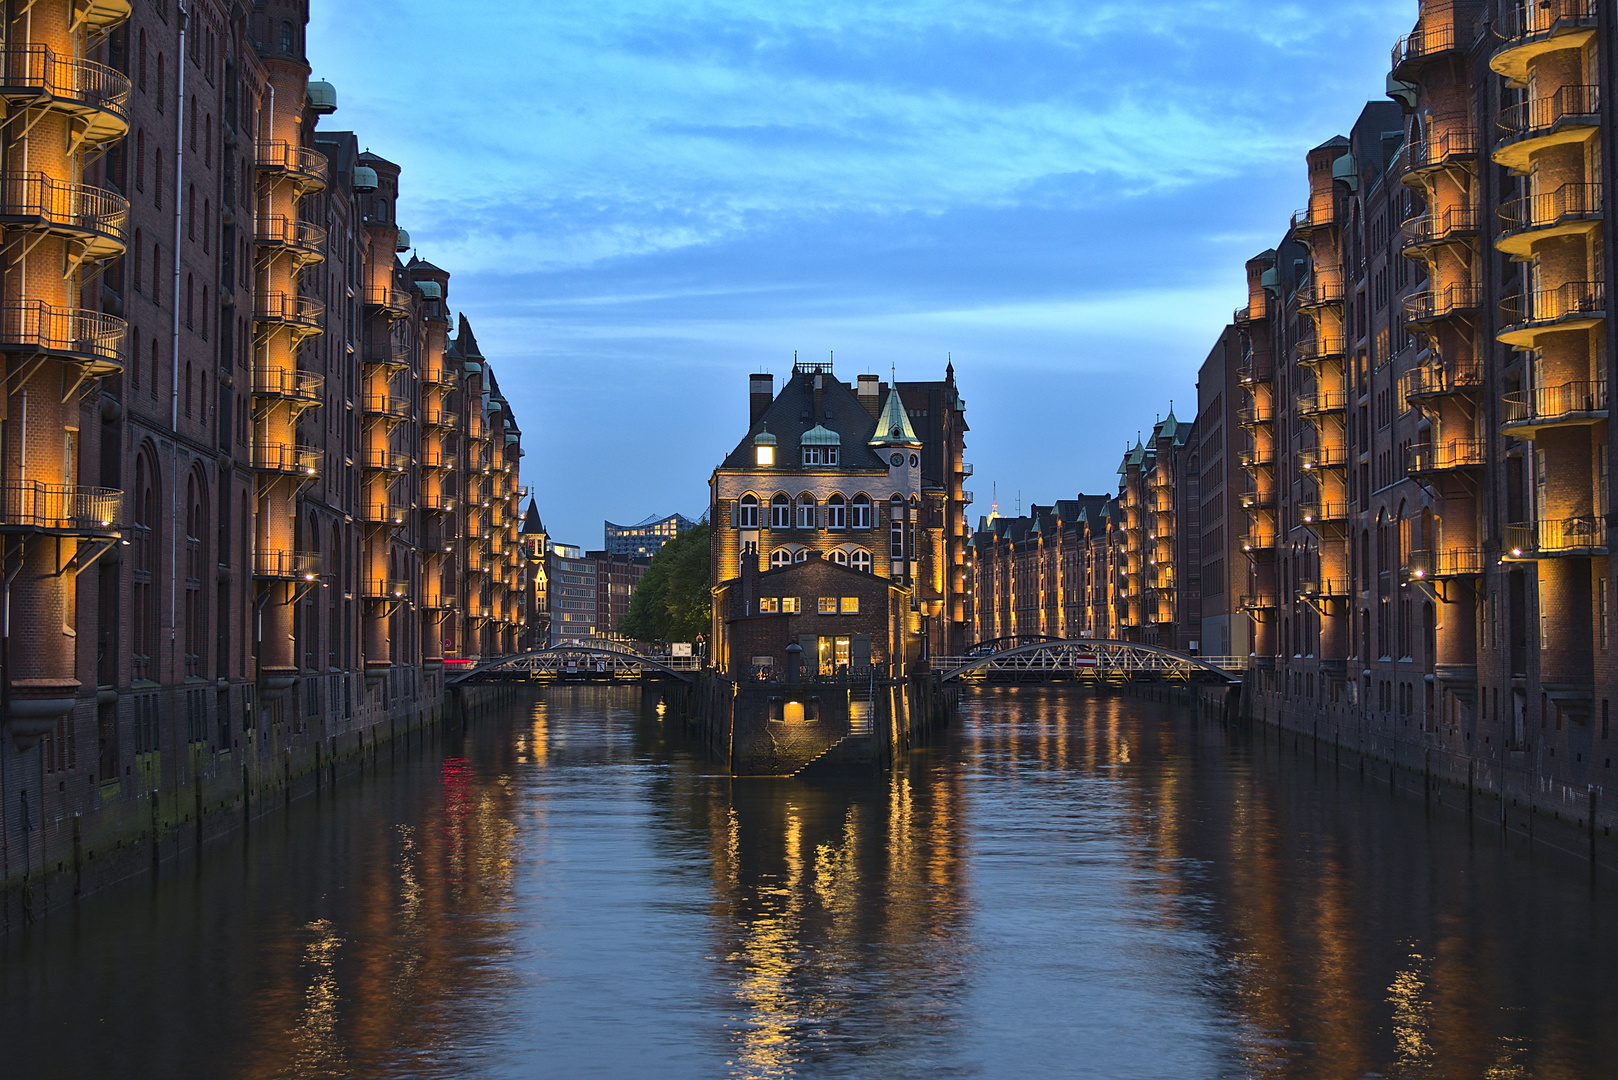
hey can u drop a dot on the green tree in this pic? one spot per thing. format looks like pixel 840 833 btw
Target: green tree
pixel 673 602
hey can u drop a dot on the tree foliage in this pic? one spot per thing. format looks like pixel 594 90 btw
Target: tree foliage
pixel 672 601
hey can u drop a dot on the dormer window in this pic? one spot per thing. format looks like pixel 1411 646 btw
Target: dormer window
pixel 764 449
pixel 820 455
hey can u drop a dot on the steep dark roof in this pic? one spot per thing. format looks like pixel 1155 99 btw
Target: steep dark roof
pixel 466 342
pixel 531 525
pixel 791 415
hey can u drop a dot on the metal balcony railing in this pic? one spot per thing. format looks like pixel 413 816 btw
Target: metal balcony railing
pixel 388 354
pixel 1556 536
pixel 31 505
pixel 392 406
pixel 293 385
pixel 35 75
pixel 1322 512
pixel 1322 457
pixel 1432 228
pixel 1257 539
pixel 434 459
pixel 1314 216
pixel 1318 350
pixel 385 460
pixel 284 458
pixel 1442 303
pixel 287 565
pixel 1578 103
pixel 1568 202
pixel 384 513
pixel 966 468
pixel 1519 23
pixel 1256 602
pixel 305 238
pixel 438 504
pixel 86 336
pixel 1452 140
pixel 306 167
pixel 440 376
pixel 303 313
pixel 1443 377
pixel 1324 589
pixel 1256 457
pixel 382 589
pixel 1570 300
pixel 1256 500
pixel 97 218
pixel 1449 563
pixel 1320 294
pixel 1426 42
pixel 1318 402
pixel 1548 404
pixel 440 418
pixel 1453 454
pixel 395 302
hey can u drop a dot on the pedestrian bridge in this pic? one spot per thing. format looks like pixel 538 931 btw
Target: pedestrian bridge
pixel 1088 660
pixel 580 663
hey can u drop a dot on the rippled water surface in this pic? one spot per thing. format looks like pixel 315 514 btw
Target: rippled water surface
pixel 1060 886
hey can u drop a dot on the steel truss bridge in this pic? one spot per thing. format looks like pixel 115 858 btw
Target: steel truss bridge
pixel 580 663
pixel 1043 660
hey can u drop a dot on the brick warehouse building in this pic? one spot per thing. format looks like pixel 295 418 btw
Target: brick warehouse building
pixel 1405 448
pixel 257 492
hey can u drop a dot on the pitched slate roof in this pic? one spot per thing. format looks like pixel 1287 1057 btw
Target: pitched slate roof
pixel 790 417
pixel 531 525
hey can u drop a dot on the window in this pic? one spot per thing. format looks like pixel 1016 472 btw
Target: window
pixel 820 455
pixel 861 561
pixel 896 529
pixel 748 518
pixel 836 513
pixel 839 556
pixel 780 512
pixel 791 605
pixel 159 82
pixel 769 605
pixel 862 512
pixel 849 605
pixel 828 605
pixel 806 511
pixel 780 557
pixel 801 555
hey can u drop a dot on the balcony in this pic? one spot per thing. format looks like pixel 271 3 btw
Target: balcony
pixel 1570 210
pixel 1444 303
pixel 1442 565
pixel 438 504
pixel 305 240
pixel 1254 370
pixel 1256 414
pixel 1427 43
pixel 1325 589
pixel 440 418
pixel 1323 349
pixel 1525 413
pixel 438 601
pixel 303 315
pixel 287 565
pixel 382 589
pixel 95 97
pixel 375 512
pixel 78 335
pixel 304 167
pixel 288 460
pixel 1570 115
pixel 1555 538
pixel 1321 402
pixel 441 376
pixel 966 468
pixel 1573 305
pixel 1454 144
pixel 1319 294
pixel 1256 602
pixel 1458 223
pixel 1254 501
pixel 1322 457
pixel 299 387
pixel 391 302
pixel 1532 29
pixel 388 355
pixel 1246 316
pixel 1258 541
pixel 1428 459
pixel 433 459
pixel 99 16
pixel 87 216
pixel 1256 457
pixel 389 406
pixel 30 506
pixel 1442 378
pixel 1321 513
pixel 392 461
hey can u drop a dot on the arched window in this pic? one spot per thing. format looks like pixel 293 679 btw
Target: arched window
pixel 286 37
pixel 748 518
pixel 896 528
pixel 157 178
pixel 160 82
pixel 140 78
pixel 839 556
pixel 806 511
pixel 780 557
pixel 190 302
pixel 144 540
pixel 151 383
pixel 801 555
pixel 780 512
pixel 836 513
pixel 157 274
pixel 861 511
pixel 861 561
pixel 137 254
pixel 191 212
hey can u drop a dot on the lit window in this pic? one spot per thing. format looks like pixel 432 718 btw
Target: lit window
pixel 850 605
pixel 836 513
pixel 748 518
pixel 861 508
pixel 780 512
pixel 769 605
pixel 861 561
pixel 764 454
pixel 828 605
pixel 780 557
pixel 791 605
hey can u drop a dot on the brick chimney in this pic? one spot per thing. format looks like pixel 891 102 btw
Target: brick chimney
pixel 760 392
pixel 869 394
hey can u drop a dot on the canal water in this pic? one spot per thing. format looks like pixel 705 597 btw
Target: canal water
pixel 1061 885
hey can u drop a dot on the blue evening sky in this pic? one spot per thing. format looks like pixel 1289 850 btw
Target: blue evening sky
pixel 641 202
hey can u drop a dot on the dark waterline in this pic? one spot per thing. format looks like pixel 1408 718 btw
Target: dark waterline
pixel 1062 885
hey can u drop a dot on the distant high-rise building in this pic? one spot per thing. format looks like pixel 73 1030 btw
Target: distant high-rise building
pixel 648 537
